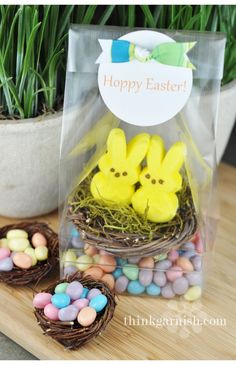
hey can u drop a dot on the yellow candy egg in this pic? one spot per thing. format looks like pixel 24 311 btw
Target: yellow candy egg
pixel 193 293
pixel 31 252
pixel 22 260
pixel 38 239
pixel 96 258
pixel 69 258
pixel 41 253
pixel 17 233
pixel 4 243
pixel 84 262
pixel 18 244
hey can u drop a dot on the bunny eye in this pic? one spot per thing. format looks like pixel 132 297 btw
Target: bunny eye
pixel 112 169
pixel 161 181
pixel 147 176
pixel 125 173
pixel 153 181
pixel 117 174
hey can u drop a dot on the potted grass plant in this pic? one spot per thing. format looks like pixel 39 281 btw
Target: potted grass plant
pixel 33 41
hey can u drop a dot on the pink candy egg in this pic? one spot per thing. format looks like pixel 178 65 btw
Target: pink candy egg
pixel 51 312
pixel 86 316
pixel 109 280
pixel 81 303
pixel 22 260
pixel 94 272
pixel 90 250
pixel 107 263
pixel 173 255
pixel 38 240
pixel 174 273
pixel 4 253
pixel 185 264
pixel 146 263
pixel 41 300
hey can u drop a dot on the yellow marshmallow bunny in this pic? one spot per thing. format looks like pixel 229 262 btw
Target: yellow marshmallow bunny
pixel 160 181
pixel 119 168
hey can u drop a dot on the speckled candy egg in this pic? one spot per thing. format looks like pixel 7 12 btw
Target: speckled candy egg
pixel 4 243
pixel 77 243
pixel 135 288
pixel 86 316
pixel 38 239
pixel 31 252
pixel 84 293
pixel 180 286
pixel 51 312
pixel 159 278
pixel 173 255
pixel 18 244
pixel 90 250
pixel 197 262
pixel 61 288
pixel 117 273
pixel 146 263
pixel 174 273
pixel 17 233
pixel 167 291
pixel 41 300
pixel 121 284
pixel 188 246
pixel 93 293
pixel 131 271
pixel 153 290
pixel 81 303
pixel 121 262
pixel 4 252
pixel 61 300
pixel 163 265
pixel 69 313
pixel 193 293
pixel 194 278
pixel 145 276
pixel 69 270
pixel 109 280
pixel 98 302
pixel 6 264
pixel 41 253
pixel 107 263
pixel 185 264
pixel 22 260
pixel 74 290
pixel 84 262
pixel 94 272
pixel 134 260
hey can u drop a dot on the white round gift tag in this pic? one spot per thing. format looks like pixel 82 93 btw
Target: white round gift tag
pixel 144 93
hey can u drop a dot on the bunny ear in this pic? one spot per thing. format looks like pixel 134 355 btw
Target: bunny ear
pixel 156 153
pixel 175 157
pixel 137 148
pixel 116 145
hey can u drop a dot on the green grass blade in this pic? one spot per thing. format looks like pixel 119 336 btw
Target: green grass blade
pixel 106 15
pixel 148 15
pixel 89 14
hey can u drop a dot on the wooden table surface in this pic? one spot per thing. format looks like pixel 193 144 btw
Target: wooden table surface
pixel 122 341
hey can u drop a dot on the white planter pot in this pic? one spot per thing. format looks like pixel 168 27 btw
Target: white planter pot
pixel 226 117
pixel 29 151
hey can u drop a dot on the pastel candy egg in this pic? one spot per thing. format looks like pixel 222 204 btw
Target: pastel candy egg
pixel 77 243
pixel 74 232
pixel 81 303
pixel 96 258
pixel 134 287
pixel 84 262
pixel 153 290
pixel 68 313
pixel 117 273
pixel 159 278
pixel 93 293
pixel 51 312
pixel 41 300
pixel 199 246
pixel 61 300
pixel 18 244
pixel 4 252
pixel 185 264
pixel 107 263
pixel 134 260
pixel 38 239
pixel 145 276
pixel 90 250
pixel 197 262
pixel 84 293
pixel 69 270
pixel 174 273
pixel 173 255
pixel 131 271
pixel 86 316
pixel 61 288
pixel 4 243
pixel 193 293
pixel 74 290
pixel 121 262
pixel 189 254
pixel 69 258
pixel 194 278
pixel 98 302
pixel 109 280
pixel 17 233
pixel 163 265
pixel 180 286
pixel 30 251
pixel 188 246
pixel 94 272
pixel 6 264
pixel 160 257
pixel 41 253
pixel 121 284
pixel 146 263
pixel 167 291
pixel 22 260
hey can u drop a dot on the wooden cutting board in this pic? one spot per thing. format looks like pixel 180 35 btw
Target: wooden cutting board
pixel 122 340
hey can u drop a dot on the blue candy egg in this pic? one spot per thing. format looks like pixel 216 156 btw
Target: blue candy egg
pixel 135 287
pixel 60 300
pixel 117 273
pixel 153 289
pixel 121 262
pixel 84 293
pixel 98 303
pixel 74 232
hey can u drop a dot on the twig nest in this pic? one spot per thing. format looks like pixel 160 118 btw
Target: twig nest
pixel 75 310
pixel 28 252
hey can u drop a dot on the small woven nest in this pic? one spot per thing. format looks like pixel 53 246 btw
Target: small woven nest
pixel 21 276
pixel 122 232
pixel 71 334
